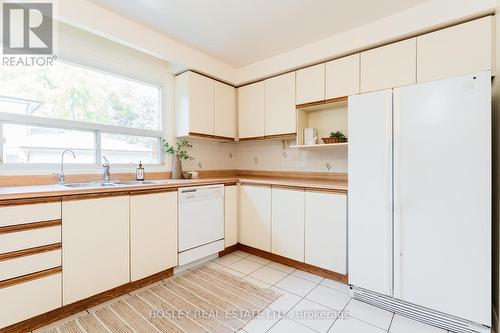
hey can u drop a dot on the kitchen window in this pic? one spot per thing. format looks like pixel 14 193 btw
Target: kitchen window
pixel 44 110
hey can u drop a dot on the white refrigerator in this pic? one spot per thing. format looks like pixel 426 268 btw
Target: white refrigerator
pixel 419 213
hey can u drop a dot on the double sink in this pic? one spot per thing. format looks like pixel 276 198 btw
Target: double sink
pixel 116 183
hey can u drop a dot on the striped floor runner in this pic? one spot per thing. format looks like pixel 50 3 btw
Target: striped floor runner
pixel 199 300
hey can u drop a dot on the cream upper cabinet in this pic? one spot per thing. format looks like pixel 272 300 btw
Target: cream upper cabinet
pixel 225 110
pixel 255 217
pixel 389 66
pixel 251 107
pixel 95 236
pixel 288 223
pixel 230 215
pixel 153 233
pixel 326 231
pixel 194 104
pixel 280 105
pixel 342 77
pixel 462 49
pixel 310 84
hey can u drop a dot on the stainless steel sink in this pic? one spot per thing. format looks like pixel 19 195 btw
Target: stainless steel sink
pixel 140 182
pixel 116 183
pixel 89 185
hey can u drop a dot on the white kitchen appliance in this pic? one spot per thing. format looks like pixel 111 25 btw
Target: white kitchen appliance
pixel 420 201
pixel 310 136
pixel 201 222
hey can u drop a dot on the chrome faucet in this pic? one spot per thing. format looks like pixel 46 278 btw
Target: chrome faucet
pixel 106 176
pixel 61 176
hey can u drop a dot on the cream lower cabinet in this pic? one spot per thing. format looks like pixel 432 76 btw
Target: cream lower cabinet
pixel 326 230
pixel 230 215
pixel 153 233
pixel 255 218
pixel 288 223
pixel 95 234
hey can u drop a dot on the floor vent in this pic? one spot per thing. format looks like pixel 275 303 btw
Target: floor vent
pixel 418 313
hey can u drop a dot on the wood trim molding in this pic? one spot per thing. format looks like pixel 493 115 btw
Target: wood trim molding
pixel 30 251
pixel 323 102
pixel 249 183
pixel 153 191
pixel 99 195
pixel 73 308
pixel 29 226
pixel 210 136
pixel 29 201
pixel 343 278
pixel 326 190
pixel 290 187
pixel 29 277
pixel 229 249
pixel 299 175
pixel 286 136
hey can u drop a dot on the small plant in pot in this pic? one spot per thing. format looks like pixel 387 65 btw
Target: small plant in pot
pixel 335 137
pixel 179 152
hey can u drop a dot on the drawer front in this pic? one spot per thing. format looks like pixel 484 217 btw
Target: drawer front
pixel 13 215
pixel 30 238
pixel 19 266
pixel 25 300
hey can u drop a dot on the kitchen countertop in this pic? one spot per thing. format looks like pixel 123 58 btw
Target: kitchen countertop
pixel 25 192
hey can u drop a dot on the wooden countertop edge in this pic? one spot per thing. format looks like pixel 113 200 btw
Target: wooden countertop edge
pixel 328 186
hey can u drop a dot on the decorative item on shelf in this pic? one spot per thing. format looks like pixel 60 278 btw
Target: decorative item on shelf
pixel 187 175
pixel 310 136
pixel 178 153
pixel 139 172
pixel 335 137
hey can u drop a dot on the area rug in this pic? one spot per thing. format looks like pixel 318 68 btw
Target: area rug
pixel 199 300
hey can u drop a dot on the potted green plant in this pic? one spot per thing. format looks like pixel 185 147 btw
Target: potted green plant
pixel 179 152
pixel 335 137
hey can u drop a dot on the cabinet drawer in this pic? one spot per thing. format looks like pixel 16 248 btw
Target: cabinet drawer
pixel 30 238
pixel 19 266
pixel 25 300
pixel 21 214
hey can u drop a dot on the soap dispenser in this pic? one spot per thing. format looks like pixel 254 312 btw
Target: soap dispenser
pixel 139 172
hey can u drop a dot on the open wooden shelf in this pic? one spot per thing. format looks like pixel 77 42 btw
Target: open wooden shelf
pixel 321 145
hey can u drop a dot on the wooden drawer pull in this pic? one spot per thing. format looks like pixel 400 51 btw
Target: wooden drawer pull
pixel 28 252
pixel 29 277
pixel 29 226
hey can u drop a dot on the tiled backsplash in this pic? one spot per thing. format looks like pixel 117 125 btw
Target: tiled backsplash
pixel 264 155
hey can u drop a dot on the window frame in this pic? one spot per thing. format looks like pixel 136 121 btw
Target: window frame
pixel 97 129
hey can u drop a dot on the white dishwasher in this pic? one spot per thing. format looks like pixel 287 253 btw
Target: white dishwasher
pixel 201 222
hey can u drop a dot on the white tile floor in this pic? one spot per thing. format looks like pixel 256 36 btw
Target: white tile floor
pixel 311 303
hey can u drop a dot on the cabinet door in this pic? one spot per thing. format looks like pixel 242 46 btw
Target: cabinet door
pixel 326 231
pixel 194 104
pixel 389 66
pixel 462 49
pixel 95 235
pixel 288 223
pixel 230 215
pixel 256 217
pixel 153 234
pixel 251 106
pixel 311 84
pixel 280 105
pixel 342 77
pixel 225 110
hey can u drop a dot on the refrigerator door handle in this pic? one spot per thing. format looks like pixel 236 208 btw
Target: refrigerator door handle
pixel 396 227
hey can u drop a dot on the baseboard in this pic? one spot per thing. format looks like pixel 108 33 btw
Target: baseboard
pixel 343 278
pixel 73 308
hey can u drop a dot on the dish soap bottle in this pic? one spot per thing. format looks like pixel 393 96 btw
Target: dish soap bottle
pixel 139 172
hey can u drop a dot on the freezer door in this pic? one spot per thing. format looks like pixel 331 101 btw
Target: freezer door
pixel 442 196
pixel 370 191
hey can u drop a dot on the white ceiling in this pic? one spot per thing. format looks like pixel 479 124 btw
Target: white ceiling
pixel 241 32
